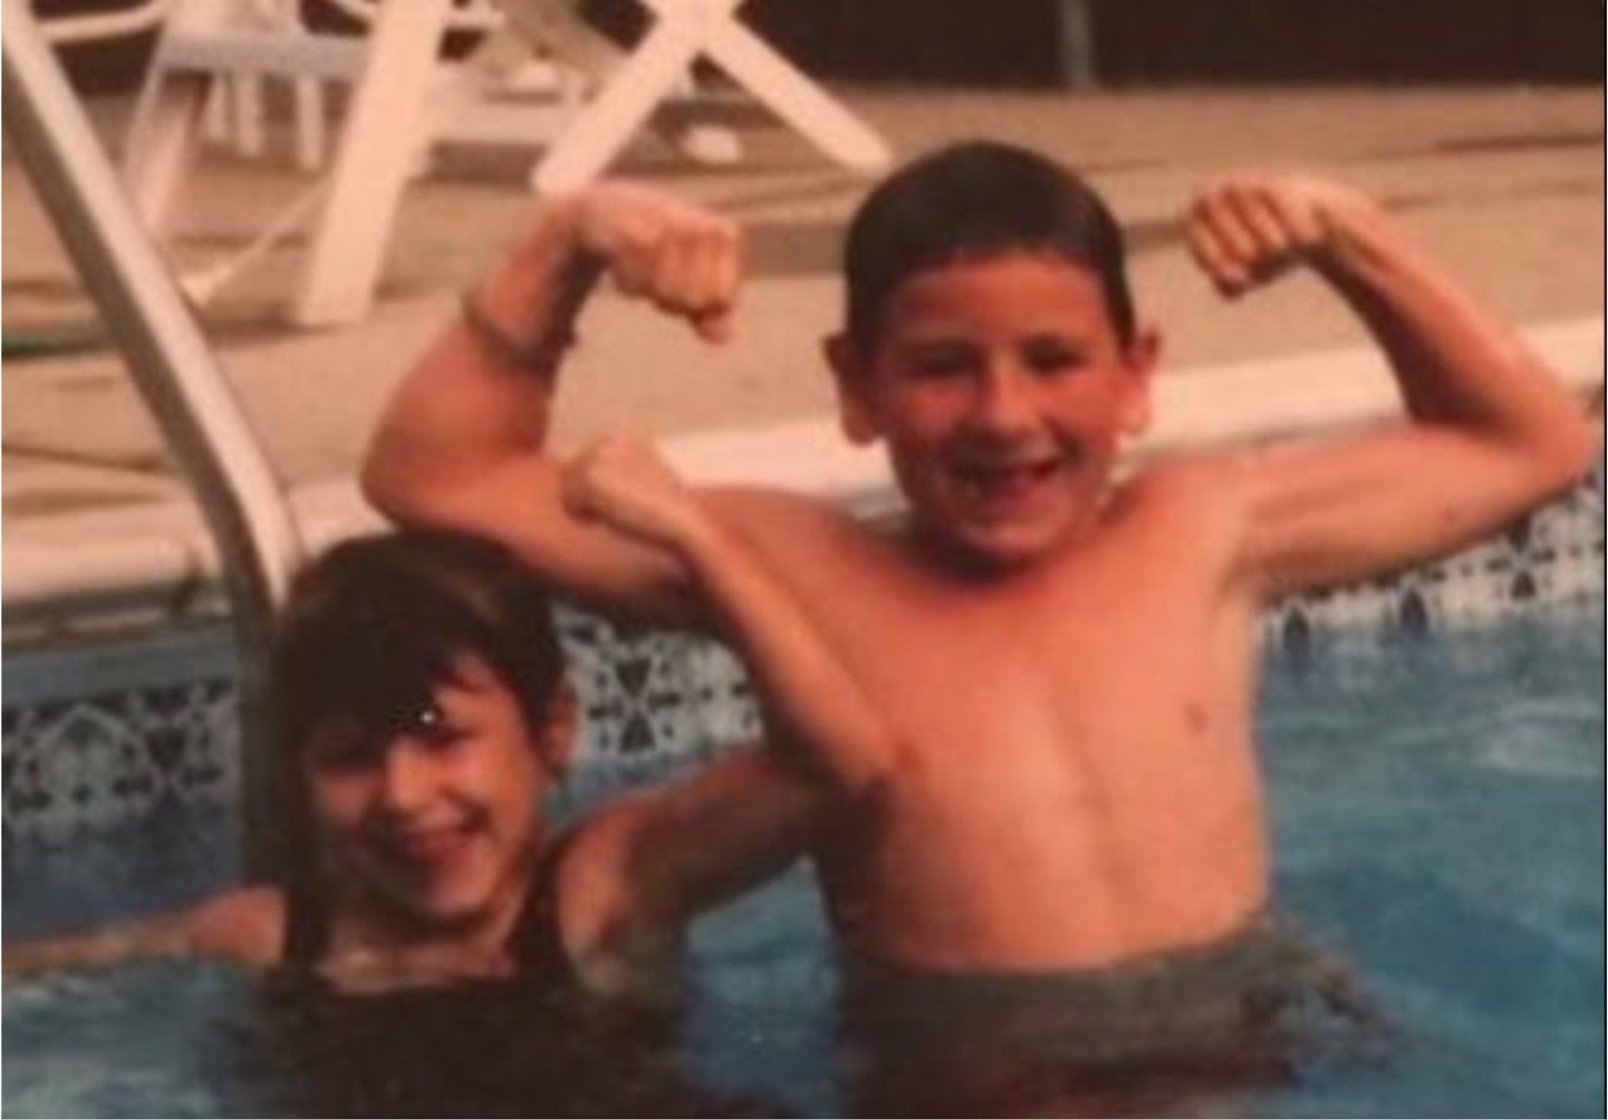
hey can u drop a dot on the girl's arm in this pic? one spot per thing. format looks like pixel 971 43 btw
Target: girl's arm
pixel 819 714
pixel 245 926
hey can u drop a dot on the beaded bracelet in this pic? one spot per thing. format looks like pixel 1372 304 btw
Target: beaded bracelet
pixel 539 356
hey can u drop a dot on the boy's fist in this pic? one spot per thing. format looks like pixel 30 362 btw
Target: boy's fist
pixel 1248 229
pixel 685 260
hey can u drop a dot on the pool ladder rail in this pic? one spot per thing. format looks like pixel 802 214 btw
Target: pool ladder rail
pixel 240 497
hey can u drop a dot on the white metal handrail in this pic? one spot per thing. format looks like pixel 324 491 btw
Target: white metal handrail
pixel 175 372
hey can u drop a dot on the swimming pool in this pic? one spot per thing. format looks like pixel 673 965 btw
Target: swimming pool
pixel 1437 805
pixel 1433 747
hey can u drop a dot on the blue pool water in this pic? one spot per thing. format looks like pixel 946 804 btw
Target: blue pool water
pixel 1438 807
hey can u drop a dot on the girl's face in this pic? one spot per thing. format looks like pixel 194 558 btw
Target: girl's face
pixel 440 822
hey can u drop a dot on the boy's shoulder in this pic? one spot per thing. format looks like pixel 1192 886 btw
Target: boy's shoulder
pixel 1205 498
pixel 797 526
pixel 760 506
pixel 1205 481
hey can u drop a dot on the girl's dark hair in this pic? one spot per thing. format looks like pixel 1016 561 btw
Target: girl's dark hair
pixel 372 624
pixel 370 630
pixel 971 200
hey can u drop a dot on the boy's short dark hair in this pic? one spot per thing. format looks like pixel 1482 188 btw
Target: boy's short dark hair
pixel 976 199
pixel 371 626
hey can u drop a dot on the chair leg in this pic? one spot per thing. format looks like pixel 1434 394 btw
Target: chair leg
pixel 250 129
pixel 794 98
pixel 310 125
pixel 163 141
pixel 607 124
pixel 380 137
pixel 215 119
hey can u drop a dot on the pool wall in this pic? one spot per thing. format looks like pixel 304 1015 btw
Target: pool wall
pixel 107 728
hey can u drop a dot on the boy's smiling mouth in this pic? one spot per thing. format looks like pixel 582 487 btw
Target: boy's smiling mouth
pixel 1007 480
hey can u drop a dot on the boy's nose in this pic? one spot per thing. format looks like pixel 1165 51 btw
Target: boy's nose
pixel 1004 400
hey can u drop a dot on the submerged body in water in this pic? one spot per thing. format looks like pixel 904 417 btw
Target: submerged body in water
pixel 481 1049
pixel 1439 806
pixel 1177 1033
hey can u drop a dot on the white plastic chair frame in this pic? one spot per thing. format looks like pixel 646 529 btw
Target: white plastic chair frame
pixel 89 27
pixel 388 117
pixel 684 31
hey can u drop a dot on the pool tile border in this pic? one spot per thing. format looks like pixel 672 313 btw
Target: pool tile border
pixel 133 739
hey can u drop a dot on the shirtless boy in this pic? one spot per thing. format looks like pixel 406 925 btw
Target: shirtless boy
pixel 1067 659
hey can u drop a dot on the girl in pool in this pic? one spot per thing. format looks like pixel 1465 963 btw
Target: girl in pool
pixel 421 699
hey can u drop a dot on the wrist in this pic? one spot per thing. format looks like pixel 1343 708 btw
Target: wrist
pixel 523 313
pixel 1360 236
pixel 537 353
pixel 702 543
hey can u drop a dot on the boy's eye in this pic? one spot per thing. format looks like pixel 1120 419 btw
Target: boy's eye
pixel 1051 356
pixel 939 362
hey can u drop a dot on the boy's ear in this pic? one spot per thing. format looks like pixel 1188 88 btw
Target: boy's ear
pixel 561 730
pixel 848 375
pixel 1142 358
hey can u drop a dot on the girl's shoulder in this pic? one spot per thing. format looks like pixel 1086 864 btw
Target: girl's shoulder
pixel 246 925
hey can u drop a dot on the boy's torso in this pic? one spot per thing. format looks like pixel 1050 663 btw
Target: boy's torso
pixel 1079 785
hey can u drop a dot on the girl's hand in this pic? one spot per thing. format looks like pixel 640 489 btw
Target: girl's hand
pixel 622 481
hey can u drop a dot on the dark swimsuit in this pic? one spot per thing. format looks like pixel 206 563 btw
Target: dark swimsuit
pixel 534 1045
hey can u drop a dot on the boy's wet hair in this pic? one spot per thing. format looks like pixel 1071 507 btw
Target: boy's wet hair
pixel 974 200
pixel 372 625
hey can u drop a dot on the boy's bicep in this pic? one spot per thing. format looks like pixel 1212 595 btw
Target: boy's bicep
pixel 1363 505
pixel 519 504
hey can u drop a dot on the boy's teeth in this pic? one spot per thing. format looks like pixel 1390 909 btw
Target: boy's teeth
pixel 986 480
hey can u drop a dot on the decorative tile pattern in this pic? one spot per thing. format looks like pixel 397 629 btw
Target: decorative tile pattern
pixel 102 760
pixel 1552 558
pixel 654 699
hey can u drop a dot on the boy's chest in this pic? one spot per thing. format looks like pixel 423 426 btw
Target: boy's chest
pixel 1137 641
pixel 1105 627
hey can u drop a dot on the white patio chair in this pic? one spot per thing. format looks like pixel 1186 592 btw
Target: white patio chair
pixel 136 18
pixel 640 81
pixel 212 50
pixel 345 257
pixel 399 106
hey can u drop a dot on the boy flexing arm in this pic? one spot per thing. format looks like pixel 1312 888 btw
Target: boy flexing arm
pixel 463 444
pixel 1493 432
pixel 1096 635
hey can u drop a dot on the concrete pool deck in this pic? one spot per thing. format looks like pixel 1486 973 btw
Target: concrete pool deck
pixel 1504 184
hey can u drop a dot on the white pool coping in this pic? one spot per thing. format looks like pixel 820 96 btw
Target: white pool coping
pixel 155 563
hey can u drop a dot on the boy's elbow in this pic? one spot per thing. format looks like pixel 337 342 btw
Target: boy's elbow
pixel 1572 452
pixel 387 483
pixel 381 486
